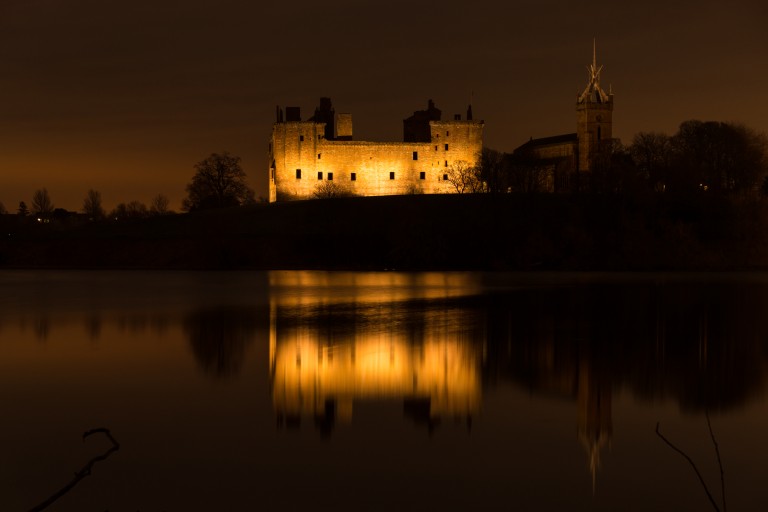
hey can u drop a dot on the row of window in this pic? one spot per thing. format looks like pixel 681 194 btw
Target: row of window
pixel 353 176
pixel 320 137
pixel 415 153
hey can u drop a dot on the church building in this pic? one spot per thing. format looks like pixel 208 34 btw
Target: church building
pixel 570 158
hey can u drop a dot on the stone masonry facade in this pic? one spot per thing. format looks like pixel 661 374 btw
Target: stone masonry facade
pixel 319 156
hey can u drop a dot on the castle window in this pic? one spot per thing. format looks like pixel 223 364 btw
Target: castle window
pixel 446 163
pixel 301 138
pixel 392 175
pixel 415 155
pixel 599 133
pixel 422 175
pixel 298 174
pixel 445 177
pixel 353 176
pixel 446 147
pixel 318 156
pixel 320 175
pixel 435 148
pixel 447 134
pixel 330 176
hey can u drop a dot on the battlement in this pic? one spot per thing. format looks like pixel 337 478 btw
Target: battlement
pixel 318 156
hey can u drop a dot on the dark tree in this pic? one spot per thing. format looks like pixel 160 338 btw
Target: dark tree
pixel 159 205
pixel 652 154
pixel 41 202
pixel 132 210
pixel 92 205
pixel 329 189
pixel 464 178
pixel 719 157
pixel 614 170
pixel 3 211
pixel 528 173
pixel 492 170
pixel 23 210
pixel 219 181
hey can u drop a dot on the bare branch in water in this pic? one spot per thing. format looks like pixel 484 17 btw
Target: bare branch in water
pixel 719 462
pixel 84 471
pixel 693 465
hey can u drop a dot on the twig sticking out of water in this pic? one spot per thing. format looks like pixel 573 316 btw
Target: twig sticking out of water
pixel 695 469
pixel 719 461
pixel 84 471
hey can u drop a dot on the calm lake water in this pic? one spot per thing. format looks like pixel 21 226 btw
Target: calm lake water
pixel 353 391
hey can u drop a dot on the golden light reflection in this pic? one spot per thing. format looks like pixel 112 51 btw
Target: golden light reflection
pixel 321 365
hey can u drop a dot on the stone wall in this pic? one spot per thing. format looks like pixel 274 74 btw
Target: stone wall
pixel 302 159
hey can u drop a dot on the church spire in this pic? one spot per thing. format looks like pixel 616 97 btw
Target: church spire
pixel 593 92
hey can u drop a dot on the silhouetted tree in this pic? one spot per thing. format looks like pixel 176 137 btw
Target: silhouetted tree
pixel 652 154
pixel 23 211
pixel 41 202
pixel 465 178
pixel 3 211
pixel 132 210
pixel 328 189
pixel 529 173
pixel 614 170
pixel 159 205
pixel 492 170
pixel 719 157
pixel 92 205
pixel 219 181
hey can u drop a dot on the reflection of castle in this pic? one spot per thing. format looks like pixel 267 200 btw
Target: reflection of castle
pixel 306 156
pixel 321 380
pixel 381 338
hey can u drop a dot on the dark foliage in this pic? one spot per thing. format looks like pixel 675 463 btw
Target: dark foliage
pixel 219 182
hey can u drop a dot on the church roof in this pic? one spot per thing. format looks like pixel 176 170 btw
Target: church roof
pixel 567 138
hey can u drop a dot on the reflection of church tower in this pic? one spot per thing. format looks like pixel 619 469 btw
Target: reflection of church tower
pixel 594 425
pixel 594 110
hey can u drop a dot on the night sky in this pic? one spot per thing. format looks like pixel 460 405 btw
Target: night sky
pixel 125 97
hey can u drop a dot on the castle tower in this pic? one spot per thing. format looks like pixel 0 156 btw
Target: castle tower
pixel 594 109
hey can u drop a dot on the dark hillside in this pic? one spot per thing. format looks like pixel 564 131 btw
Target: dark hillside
pixel 507 232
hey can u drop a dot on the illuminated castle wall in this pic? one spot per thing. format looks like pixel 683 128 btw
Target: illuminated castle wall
pixel 306 156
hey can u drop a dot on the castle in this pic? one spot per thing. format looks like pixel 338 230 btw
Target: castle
pixel 320 157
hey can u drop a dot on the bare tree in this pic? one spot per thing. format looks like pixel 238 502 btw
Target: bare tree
pixel 23 211
pixel 132 210
pixel 92 205
pixel 3 211
pixel 41 202
pixel 652 153
pixel 159 205
pixel 328 189
pixel 465 178
pixel 219 181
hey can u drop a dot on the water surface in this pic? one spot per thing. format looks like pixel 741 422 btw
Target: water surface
pixel 348 391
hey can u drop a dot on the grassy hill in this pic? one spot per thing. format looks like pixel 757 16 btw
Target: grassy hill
pixel 484 232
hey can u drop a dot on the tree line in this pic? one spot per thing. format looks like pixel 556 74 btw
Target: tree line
pixel 702 156
pixel 219 181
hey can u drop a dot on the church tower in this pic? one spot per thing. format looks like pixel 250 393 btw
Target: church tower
pixel 594 109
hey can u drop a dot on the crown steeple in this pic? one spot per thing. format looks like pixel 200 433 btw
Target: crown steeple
pixel 593 92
